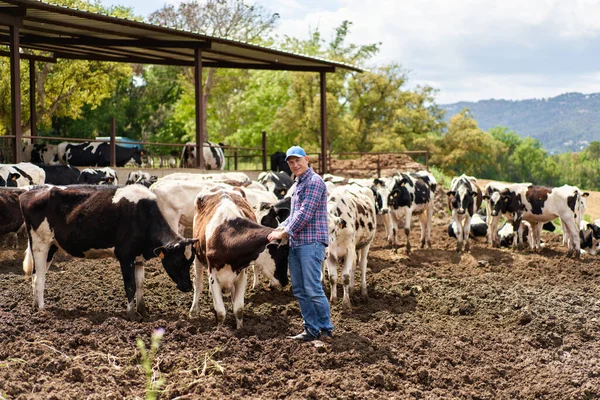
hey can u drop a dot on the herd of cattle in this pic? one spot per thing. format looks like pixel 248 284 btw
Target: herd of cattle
pixel 220 222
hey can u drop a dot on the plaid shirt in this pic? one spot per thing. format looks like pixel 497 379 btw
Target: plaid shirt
pixel 307 222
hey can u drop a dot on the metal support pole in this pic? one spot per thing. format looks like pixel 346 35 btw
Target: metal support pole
pixel 32 110
pixel 200 134
pixel 323 123
pixel 15 92
pixel 264 150
pixel 113 145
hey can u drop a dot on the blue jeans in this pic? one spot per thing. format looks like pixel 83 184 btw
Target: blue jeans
pixel 305 270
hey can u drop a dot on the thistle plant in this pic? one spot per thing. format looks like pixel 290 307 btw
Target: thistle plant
pixel 153 381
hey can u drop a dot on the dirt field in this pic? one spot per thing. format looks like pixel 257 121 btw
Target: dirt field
pixel 492 324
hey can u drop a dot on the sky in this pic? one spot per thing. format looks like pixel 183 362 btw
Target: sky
pixel 469 50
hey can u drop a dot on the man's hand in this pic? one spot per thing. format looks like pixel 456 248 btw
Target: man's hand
pixel 277 235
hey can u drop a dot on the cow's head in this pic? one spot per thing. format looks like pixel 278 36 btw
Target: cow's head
pixel 279 254
pixel 402 194
pixel 382 195
pixel 508 202
pixel 493 198
pixel 177 257
pixel 272 215
pixel 462 199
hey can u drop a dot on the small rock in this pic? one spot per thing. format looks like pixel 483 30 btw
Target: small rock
pixel 483 263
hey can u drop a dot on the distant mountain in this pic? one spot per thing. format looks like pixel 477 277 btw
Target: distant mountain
pixel 568 122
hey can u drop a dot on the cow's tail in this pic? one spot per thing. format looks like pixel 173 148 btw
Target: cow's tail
pixel 28 261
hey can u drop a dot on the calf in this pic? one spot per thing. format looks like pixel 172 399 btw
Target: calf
pixel 214 158
pixel 229 239
pixel 11 219
pixel 60 174
pixel 277 183
pixel 508 237
pixel 352 225
pixel 98 176
pixel 408 196
pixel 589 236
pixel 537 205
pixel 102 221
pixel 479 228
pixel 464 199
pixel 491 193
pixel 22 174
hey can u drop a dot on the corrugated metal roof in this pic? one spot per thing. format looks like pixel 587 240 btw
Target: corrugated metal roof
pixel 77 34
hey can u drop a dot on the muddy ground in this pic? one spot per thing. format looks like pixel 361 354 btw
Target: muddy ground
pixel 492 324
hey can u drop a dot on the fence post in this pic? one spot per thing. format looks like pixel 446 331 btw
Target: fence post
pixel 378 167
pixel 264 150
pixel 235 160
pixel 427 160
pixel 113 147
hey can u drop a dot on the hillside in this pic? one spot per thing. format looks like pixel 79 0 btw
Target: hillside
pixel 568 122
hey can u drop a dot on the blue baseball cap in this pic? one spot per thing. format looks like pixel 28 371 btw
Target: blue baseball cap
pixel 295 151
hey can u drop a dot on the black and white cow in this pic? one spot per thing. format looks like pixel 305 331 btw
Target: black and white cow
pixel 537 205
pixel 102 221
pixel 214 158
pixel 589 235
pixel 141 178
pixel 381 190
pixel 491 193
pixel 11 219
pixel 97 154
pixel 22 174
pixel 61 174
pixel 408 196
pixel 277 183
pixel 507 237
pixel 278 163
pixel 464 200
pixel 479 228
pixel 41 153
pixel 98 176
pixel 352 226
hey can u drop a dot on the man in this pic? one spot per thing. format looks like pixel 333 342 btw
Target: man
pixel 306 229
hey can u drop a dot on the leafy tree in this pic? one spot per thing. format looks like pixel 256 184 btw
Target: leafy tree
pixel 466 149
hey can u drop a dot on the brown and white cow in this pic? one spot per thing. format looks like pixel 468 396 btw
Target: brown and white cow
pixel 352 227
pixel 464 199
pixel 94 221
pixel 537 205
pixel 411 195
pixel 229 239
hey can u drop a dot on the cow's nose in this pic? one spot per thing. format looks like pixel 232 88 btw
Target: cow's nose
pixel 460 211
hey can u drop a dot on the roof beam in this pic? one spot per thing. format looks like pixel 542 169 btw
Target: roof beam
pixel 93 41
pixel 33 57
pixel 12 16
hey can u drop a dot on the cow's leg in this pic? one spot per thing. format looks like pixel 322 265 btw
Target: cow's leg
pixel 387 224
pixel 573 237
pixel 256 283
pixel 217 295
pixel 363 269
pixel 536 227
pixel 429 222
pixel 407 224
pixel 139 289
pixel 129 281
pixel 237 296
pixel 332 272
pixel 394 231
pixel 467 232
pixel 347 271
pixel 459 231
pixel 198 286
pixel 39 258
pixel 493 230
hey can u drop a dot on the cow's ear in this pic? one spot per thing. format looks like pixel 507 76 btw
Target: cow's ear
pixel 13 176
pixel 264 206
pixel 451 193
pixel 160 252
pixel 590 226
pixel 474 195
pixel 485 197
pixel 585 194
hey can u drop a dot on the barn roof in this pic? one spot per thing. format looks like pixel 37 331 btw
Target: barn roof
pixel 76 34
